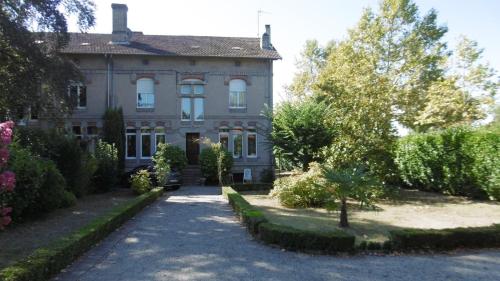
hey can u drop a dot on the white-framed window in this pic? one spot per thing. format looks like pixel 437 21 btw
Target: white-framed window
pixel 192 106
pixel 237 93
pixel 237 143
pixel 146 146
pixel 145 93
pixel 77 131
pixel 185 109
pixel 79 92
pixel 92 136
pixel 130 145
pixel 251 143
pixel 159 136
pixel 224 138
pixel 198 109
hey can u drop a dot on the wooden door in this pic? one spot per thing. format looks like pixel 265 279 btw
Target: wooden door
pixel 192 148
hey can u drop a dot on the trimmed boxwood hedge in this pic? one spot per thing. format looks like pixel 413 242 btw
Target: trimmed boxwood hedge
pixel 302 240
pixel 252 186
pixel 446 239
pixel 47 261
pixel 286 237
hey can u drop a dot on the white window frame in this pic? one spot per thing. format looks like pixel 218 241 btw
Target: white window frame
pixel 195 116
pixel 190 109
pixel 224 132
pixel 145 93
pixel 192 83
pixel 79 87
pixel 126 142
pixel 161 133
pixel 238 94
pixel 251 132
pixel 234 134
pixel 150 143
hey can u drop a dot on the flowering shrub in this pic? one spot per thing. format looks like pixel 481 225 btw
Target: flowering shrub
pixel 140 182
pixel 7 178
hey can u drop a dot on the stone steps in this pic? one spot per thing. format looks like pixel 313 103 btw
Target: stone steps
pixel 191 175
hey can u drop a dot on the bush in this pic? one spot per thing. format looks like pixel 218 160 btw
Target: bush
pixel 302 190
pixel 210 158
pixel 74 164
pixel 40 187
pixel 457 161
pixel 114 133
pixel 174 155
pixel 140 182
pixel 106 174
pixel 446 239
pixel 49 260
pixel 161 166
pixel 301 240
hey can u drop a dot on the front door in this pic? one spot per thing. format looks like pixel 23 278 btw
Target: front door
pixel 192 148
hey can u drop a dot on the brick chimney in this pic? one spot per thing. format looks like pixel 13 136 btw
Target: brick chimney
pixel 121 34
pixel 266 38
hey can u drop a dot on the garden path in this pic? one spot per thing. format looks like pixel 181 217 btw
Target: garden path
pixel 193 235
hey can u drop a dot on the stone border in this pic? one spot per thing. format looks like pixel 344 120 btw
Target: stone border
pixel 47 261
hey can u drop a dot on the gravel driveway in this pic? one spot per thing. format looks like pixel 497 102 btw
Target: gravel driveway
pixel 193 235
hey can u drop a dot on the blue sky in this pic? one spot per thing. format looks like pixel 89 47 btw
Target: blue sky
pixel 293 22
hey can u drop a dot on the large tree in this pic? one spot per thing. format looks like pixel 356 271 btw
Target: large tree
pixel 300 132
pixel 33 75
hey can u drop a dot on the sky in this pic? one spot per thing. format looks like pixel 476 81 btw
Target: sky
pixel 293 22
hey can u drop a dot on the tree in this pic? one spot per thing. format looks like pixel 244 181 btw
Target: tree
pixel 33 75
pixel 345 183
pixel 114 133
pixel 311 62
pixel 299 131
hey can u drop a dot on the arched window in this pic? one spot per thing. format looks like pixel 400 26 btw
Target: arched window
pixel 237 93
pixel 145 93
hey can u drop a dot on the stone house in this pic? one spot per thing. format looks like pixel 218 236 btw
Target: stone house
pixel 176 89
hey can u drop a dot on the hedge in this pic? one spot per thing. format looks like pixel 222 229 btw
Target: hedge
pixel 456 161
pixel 47 261
pixel 446 239
pixel 286 237
pixel 252 186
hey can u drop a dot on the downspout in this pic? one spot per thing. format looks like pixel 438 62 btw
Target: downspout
pixel 109 81
pixel 270 90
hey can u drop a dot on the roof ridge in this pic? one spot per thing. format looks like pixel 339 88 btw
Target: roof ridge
pixel 169 35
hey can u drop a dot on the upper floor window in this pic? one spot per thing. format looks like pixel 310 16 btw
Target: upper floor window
pixel 192 87
pixel 145 93
pixel 237 93
pixel 79 92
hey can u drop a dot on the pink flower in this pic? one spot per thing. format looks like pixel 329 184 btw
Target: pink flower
pixel 7 180
pixel 5 135
pixel 5 211
pixel 4 221
pixel 7 124
pixel 4 156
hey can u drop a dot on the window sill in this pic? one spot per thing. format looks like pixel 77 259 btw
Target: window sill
pixel 145 109
pixel 237 109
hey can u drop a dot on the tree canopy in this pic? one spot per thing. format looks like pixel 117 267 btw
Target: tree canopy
pixel 32 74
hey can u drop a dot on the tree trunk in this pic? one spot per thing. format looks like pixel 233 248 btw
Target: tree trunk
pixel 343 214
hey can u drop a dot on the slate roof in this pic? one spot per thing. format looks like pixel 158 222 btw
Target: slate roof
pixel 168 45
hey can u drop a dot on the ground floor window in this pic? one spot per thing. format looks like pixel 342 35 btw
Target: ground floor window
pixel 251 143
pixel 77 131
pixel 237 144
pixel 145 143
pixel 224 138
pixel 159 136
pixel 130 143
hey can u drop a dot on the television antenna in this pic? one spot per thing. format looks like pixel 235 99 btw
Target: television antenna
pixel 260 12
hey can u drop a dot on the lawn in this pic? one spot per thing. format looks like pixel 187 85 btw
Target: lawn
pixel 19 240
pixel 407 209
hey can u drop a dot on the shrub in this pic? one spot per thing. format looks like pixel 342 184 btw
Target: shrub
pixel 216 163
pixel 114 133
pixel 457 161
pixel 74 164
pixel 302 240
pixel 161 165
pixel 446 239
pixel 53 194
pixel 302 190
pixel 106 174
pixel 140 182
pixel 40 186
pixel 174 155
